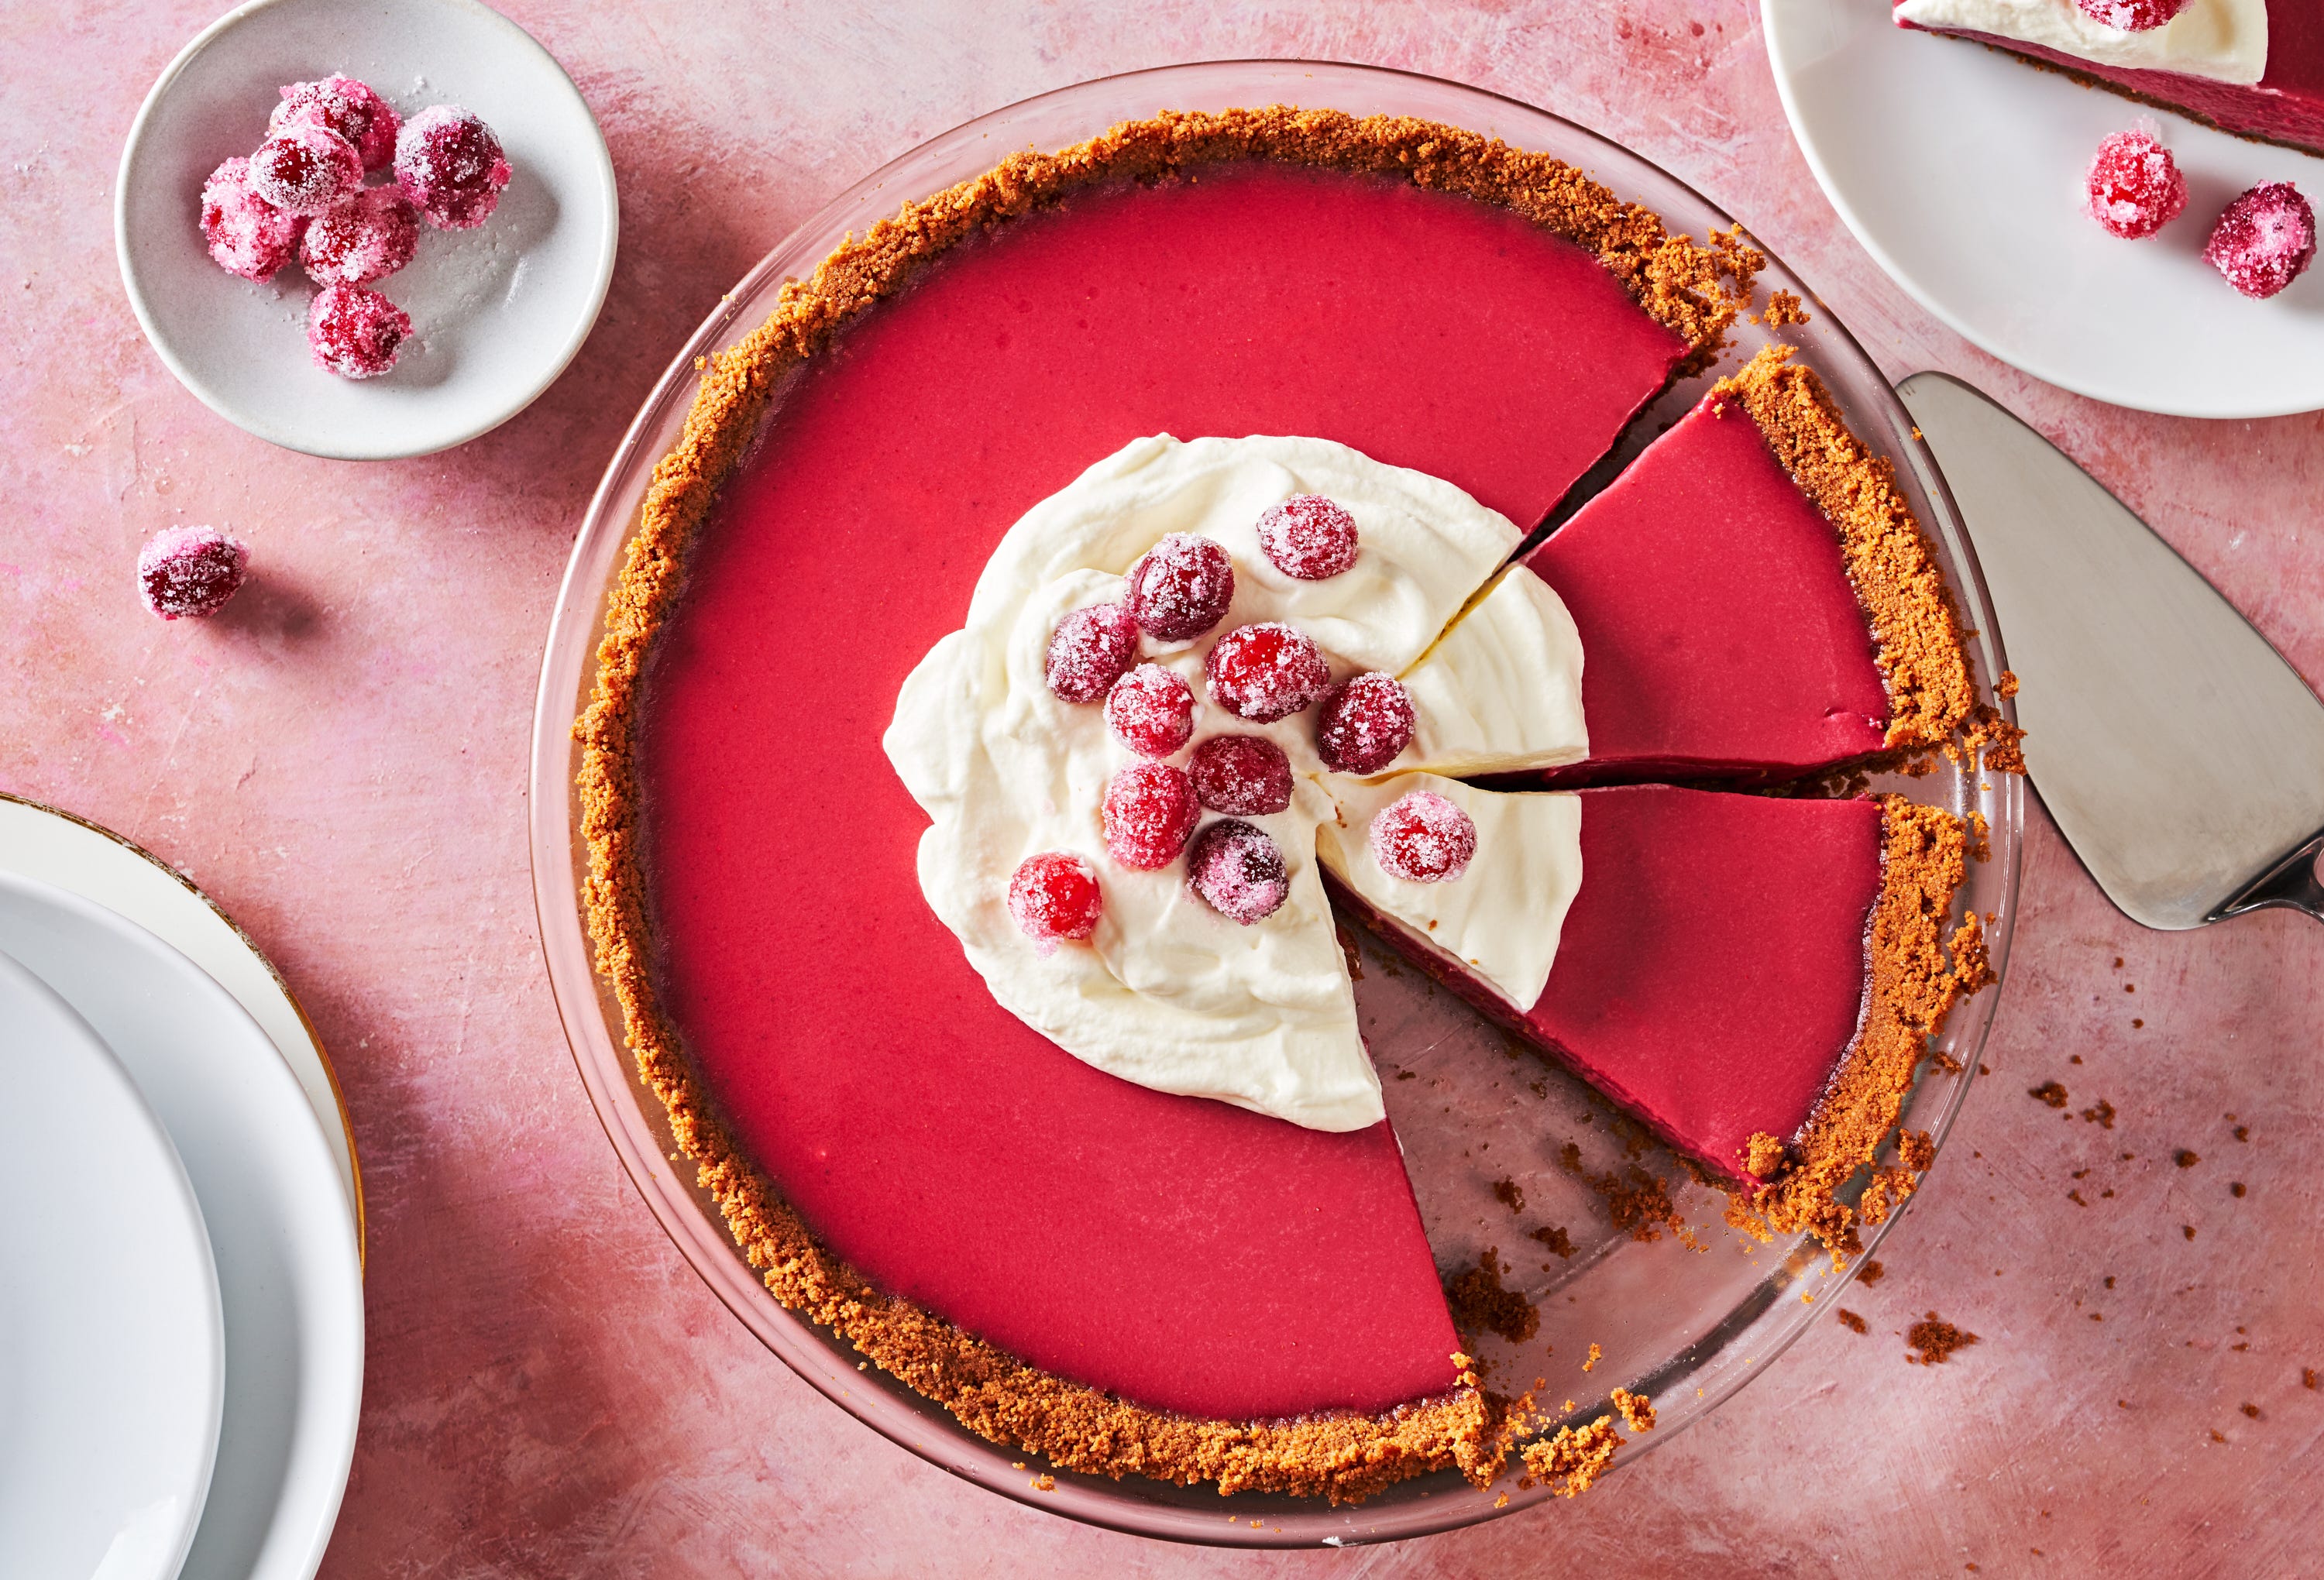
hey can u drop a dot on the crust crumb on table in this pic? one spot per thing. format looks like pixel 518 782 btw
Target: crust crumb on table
pixel 1934 1341
pixel 1850 1320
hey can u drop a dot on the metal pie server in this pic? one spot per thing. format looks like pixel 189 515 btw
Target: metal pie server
pixel 2180 755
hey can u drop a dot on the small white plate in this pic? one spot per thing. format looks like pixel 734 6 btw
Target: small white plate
pixel 56 848
pixel 1961 171
pixel 290 1284
pixel 111 1349
pixel 496 311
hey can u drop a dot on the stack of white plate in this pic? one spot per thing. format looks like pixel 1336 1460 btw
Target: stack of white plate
pixel 180 1232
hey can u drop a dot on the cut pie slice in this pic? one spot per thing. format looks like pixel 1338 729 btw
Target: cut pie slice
pixel 1751 976
pixel 1755 597
pixel 2255 68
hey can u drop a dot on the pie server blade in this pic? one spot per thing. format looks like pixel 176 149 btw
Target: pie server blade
pixel 2180 755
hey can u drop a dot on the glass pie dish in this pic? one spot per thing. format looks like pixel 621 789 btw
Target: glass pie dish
pixel 1682 1311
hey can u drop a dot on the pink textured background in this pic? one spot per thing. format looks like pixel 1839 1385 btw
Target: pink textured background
pixel 340 762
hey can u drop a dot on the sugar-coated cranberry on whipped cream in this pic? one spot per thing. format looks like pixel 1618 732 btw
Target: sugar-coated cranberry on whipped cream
pixel 1246 775
pixel 1308 537
pixel 1151 710
pixel 1266 671
pixel 1423 838
pixel 1239 871
pixel 1089 650
pixel 1363 723
pixel 2131 15
pixel 1181 587
pixel 1055 895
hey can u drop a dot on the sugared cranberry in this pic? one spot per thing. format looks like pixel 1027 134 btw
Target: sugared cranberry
pixel 1237 869
pixel 1423 838
pixel 365 237
pixel 353 331
pixel 2134 186
pixel 451 167
pixel 305 167
pixel 1091 649
pixel 2264 240
pixel 1148 813
pixel 1181 587
pixel 1364 721
pixel 185 571
pixel 347 107
pixel 1308 537
pixel 1266 672
pixel 1245 774
pixel 247 235
pixel 1151 710
pixel 2131 15
pixel 1055 895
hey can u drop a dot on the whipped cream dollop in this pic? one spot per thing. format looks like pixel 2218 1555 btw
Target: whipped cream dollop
pixel 2225 40
pixel 1168 992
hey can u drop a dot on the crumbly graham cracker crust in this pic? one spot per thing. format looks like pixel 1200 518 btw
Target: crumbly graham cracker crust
pixel 1694 289
pixel 1915 979
pixel 1894 570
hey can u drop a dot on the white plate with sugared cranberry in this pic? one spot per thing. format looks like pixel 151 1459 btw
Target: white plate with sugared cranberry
pixel 1964 172
pixel 368 232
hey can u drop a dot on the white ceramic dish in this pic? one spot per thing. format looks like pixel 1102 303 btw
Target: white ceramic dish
pixel 111 1361
pixel 1960 169
pixel 497 311
pixel 54 847
pixel 288 1281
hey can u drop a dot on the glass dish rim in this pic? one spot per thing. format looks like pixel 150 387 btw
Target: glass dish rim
pixel 638 1129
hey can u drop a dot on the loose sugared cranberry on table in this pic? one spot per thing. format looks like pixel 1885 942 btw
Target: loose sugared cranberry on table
pixel 347 107
pixel 1091 649
pixel 1308 537
pixel 1238 870
pixel 246 235
pixel 2132 15
pixel 451 167
pixel 353 332
pixel 1247 776
pixel 1364 721
pixel 1055 895
pixel 1266 672
pixel 1151 710
pixel 189 571
pixel 1181 587
pixel 304 169
pixel 365 237
pixel 2264 240
pixel 1149 812
pixel 1423 838
pixel 2134 186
